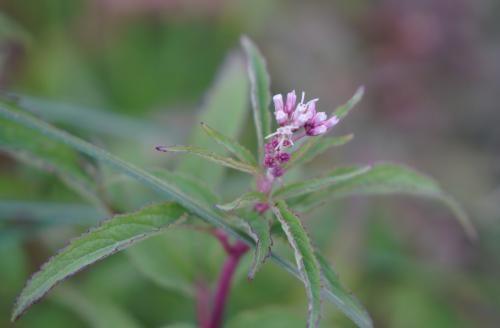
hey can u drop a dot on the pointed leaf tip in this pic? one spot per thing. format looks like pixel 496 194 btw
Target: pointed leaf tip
pixel 113 235
pixel 344 109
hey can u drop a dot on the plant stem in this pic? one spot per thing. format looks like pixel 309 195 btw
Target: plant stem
pixel 234 252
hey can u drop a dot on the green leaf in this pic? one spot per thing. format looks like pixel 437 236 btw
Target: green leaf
pixel 165 188
pixel 113 235
pixel 338 175
pixel 224 109
pixel 216 158
pixel 344 109
pixel 96 312
pixel 389 179
pixel 260 90
pixel 245 200
pixel 342 298
pixel 231 145
pixel 306 260
pixel 50 213
pixel 103 122
pixel 259 228
pixel 146 178
pixel 316 146
pixel 30 148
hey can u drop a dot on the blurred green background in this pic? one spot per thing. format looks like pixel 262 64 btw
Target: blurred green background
pixel 141 68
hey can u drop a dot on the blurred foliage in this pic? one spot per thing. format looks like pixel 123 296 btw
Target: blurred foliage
pixel 430 69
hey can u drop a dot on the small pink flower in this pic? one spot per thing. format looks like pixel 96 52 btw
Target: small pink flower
pixel 279 113
pixel 316 131
pixel 319 124
pixel 269 161
pixel 331 122
pixel 283 157
pixel 304 112
pixel 291 99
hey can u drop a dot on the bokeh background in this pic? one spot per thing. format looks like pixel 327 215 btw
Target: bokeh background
pixel 431 69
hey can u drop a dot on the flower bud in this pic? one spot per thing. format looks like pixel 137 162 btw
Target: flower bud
pixel 291 99
pixel 261 207
pixel 269 161
pixel 316 131
pixel 283 157
pixel 277 171
pixel 278 103
pixel 331 122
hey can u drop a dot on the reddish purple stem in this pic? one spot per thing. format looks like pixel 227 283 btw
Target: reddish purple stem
pixel 235 252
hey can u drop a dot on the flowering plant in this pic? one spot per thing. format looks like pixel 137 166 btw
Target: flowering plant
pixel 247 222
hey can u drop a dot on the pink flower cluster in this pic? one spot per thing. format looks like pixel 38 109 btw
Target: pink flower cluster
pixel 291 118
pixel 295 121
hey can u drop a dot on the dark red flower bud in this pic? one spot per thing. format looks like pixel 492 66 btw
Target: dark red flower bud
pixel 283 157
pixel 269 161
pixel 277 171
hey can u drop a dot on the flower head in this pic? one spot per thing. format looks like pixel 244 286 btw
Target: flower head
pixel 292 118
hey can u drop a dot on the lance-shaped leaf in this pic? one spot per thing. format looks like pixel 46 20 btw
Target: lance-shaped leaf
pixel 260 90
pixel 308 186
pixel 50 213
pixel 306 260
pixel 342 298
pixel 231 145
pixel 316 146
pixel 165 188
pixel 245 200
pixel 94 120
pixel 30 148
pixel 259 228
pixel 388 179
pixel 112 236
pixel 213 157
pixel 344 109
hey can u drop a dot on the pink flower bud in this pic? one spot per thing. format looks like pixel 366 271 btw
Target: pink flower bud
pixel 304 113
pixel 269 161
pixel 268 147
pixel 261 207
pixel 318 119
pixel 286 143
pixel 283 157
pixel 277 171
pixel 281 117
pixel 316 131
pixel 311 106
pixel 291 99
pixel 278 103
pixel 331 122
pixel 275 142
